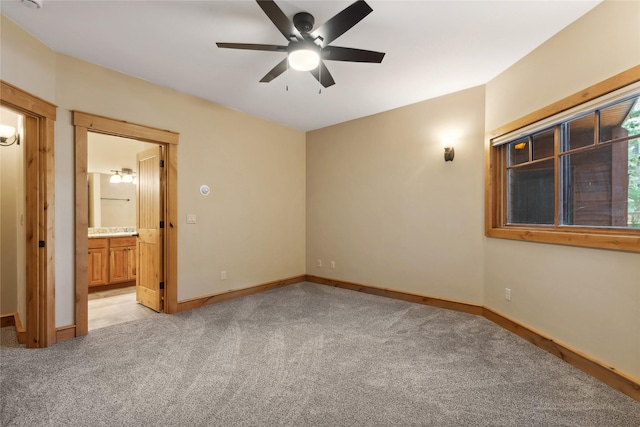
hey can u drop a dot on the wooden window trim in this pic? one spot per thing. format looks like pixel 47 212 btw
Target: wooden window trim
pixel 615 239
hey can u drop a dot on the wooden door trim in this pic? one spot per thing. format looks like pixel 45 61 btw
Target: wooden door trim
pixel 123 129
pixel 40 116
pixel 83 123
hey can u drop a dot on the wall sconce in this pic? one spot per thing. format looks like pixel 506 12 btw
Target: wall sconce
pixel 8 136
pixel 125 175
pixel 449 152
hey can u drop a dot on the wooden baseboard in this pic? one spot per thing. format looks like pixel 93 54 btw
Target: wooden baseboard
pixel 13 319
pixel 607 374
pixel 65 333
pixel 190 304
pixel 7 320
pixel 404 296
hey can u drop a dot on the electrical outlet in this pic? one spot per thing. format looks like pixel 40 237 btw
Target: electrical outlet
pixel 223 275
pixel 319 262
pixel 333 265
pixel 507 294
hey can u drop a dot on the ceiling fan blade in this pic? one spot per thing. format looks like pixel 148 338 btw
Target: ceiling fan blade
pixel 342 22
pixel 250 46
pixel 322 74
pixel 275 71
pixel 335 53
pixel 279 19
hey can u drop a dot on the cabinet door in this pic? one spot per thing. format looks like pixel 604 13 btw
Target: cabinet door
pixel 133 260
pixel 97 266
pixel 118 264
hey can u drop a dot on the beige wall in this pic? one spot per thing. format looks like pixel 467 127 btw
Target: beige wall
pixel 26 62
pixel 586 298
pixel 252 223
pixel 383 204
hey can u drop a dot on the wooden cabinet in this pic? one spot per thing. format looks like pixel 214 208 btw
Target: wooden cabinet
pixel 97 261
pixel 112 260
pixel 122 259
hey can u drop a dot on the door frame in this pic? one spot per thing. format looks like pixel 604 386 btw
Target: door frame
pixel 40 116
pixel 85 123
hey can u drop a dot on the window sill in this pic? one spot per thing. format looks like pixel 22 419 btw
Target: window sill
pixel 609 240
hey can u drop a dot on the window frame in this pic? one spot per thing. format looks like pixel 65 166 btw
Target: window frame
pixel 622 239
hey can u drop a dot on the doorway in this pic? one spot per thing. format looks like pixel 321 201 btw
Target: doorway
pixel 166 142
pixel 38 130
pixel 13 298
pixel 113 181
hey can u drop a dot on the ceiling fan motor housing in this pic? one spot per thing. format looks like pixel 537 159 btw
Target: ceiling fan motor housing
pixel 303 21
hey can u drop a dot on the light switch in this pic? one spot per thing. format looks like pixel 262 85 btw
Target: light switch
pixel 191 218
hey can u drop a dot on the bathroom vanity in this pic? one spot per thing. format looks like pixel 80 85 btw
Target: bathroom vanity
pixel 112 260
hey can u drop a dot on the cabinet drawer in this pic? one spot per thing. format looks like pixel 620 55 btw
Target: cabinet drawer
pixel 122 241
pixel 97 243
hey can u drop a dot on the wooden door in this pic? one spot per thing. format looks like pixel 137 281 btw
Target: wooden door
pixel 150 269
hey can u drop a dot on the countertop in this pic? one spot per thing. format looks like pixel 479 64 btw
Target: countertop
pixel 117 234
pixel 105 232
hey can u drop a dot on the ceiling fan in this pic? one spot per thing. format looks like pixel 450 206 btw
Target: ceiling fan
pixel 307 48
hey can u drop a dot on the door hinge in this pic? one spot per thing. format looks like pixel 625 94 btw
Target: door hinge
pixel 161 163
pixel 41 243
pixel 161 285
pixel 161 224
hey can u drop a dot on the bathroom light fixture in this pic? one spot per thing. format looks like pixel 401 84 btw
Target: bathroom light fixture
pixel 449 152
pixel 116 178
pixel 8 136
pixel 125 175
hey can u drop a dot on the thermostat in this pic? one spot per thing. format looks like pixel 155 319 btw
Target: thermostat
pixel 204 190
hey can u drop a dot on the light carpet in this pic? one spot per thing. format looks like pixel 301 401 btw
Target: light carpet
pixel 304 355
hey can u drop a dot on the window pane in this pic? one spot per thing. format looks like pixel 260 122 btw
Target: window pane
pixel 634 183
pixel 543 144
pixel 519 152
pixel 580 132
pixel 531 194
pixel 620 120
pixel 600 186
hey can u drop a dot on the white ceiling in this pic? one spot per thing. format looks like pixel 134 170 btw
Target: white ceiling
pixel 432 48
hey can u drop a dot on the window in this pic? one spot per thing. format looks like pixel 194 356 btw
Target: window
pixel 572 178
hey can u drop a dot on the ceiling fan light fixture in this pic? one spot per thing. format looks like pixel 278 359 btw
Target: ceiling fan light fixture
pixel 304 59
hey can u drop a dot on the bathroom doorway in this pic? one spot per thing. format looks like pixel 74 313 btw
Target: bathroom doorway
pixel 112 180
pixel 164 142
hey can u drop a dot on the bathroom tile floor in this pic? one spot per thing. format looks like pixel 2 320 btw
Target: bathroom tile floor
pixel 108 308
